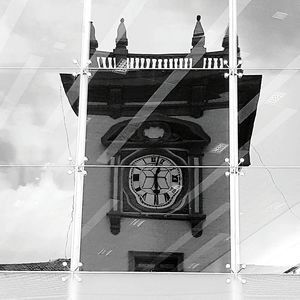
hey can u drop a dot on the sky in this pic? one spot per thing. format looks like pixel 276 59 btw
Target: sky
pixel 38 127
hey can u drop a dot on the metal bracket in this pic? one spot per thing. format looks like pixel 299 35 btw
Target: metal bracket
pixel 234 72
pixel 236 275
pixel 234 170
pixel 85 69
pixel 79 168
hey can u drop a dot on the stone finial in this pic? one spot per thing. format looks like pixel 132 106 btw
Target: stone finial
pixel 93 41
pixel 198 36
pixel 225 43
pixel 121 40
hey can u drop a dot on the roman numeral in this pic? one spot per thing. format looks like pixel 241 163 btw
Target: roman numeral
pixel 173 190
pixel 175 178
pixel 167 197
pixel 136 177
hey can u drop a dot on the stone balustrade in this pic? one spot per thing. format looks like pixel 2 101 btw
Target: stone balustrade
pixel 107 62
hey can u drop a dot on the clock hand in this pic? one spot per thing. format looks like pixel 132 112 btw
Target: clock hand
pixel 156 177
pixel 157 171
pixel 155 199
pixel 156 189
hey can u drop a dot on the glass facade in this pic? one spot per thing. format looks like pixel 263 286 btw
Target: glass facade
pixel 135 136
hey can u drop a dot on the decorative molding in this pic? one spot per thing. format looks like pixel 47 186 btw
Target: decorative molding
pixel 196 220
pixel 179 133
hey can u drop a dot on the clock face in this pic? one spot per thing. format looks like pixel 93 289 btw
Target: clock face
pixel 155 181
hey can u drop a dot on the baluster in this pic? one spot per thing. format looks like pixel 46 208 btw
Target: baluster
pixel 186 61
pixel 171 63
pixel 204 62
pixel 153 63
pixel 148 61
pixel 191 63
pixel 104 62
pixel 216 60
pixel 159 63
pixel 109 62
pixel 137 63
pixel 180 63
pixel 175 63
pixel 131 62
pixel 209 62
pixel 142 62
pixel 99 62
pixel 165 63
pixel 221 63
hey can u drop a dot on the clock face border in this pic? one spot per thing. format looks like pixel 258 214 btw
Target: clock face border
pixel 180 199
pixel 168 178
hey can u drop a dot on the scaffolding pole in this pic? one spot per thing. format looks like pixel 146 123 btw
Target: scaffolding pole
pixel 81 137
pixel 233 138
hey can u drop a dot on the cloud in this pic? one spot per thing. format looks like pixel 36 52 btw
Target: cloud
pixel 34 219
pixel 34 131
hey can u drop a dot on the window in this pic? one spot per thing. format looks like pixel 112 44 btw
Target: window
pixel 140 261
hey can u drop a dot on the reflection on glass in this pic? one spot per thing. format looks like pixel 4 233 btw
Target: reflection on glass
pixel 35 35
pixel 35 218
pixel 160 27
pixel 274 139
pixel 267 33
pixel 270 219
pixel 160 217
pixel 177 101
pixel 171 101
pixel 37 125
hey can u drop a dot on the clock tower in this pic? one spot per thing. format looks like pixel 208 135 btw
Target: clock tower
pixel 155 194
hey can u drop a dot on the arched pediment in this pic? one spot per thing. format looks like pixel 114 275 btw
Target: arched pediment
pixel 157 131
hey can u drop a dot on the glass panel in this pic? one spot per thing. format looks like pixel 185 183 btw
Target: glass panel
pixel 270 219
pixel 268 35
pixel 271 286
pixel 273 106
pixel 154 117
pixel 37 123
pixel 35 35
pixel 161 27
pixel 157 100
pixel 35 218
pixel 35 285
pixel 130 286
pixel 174 286
pixel 169 111
pixel 155 218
